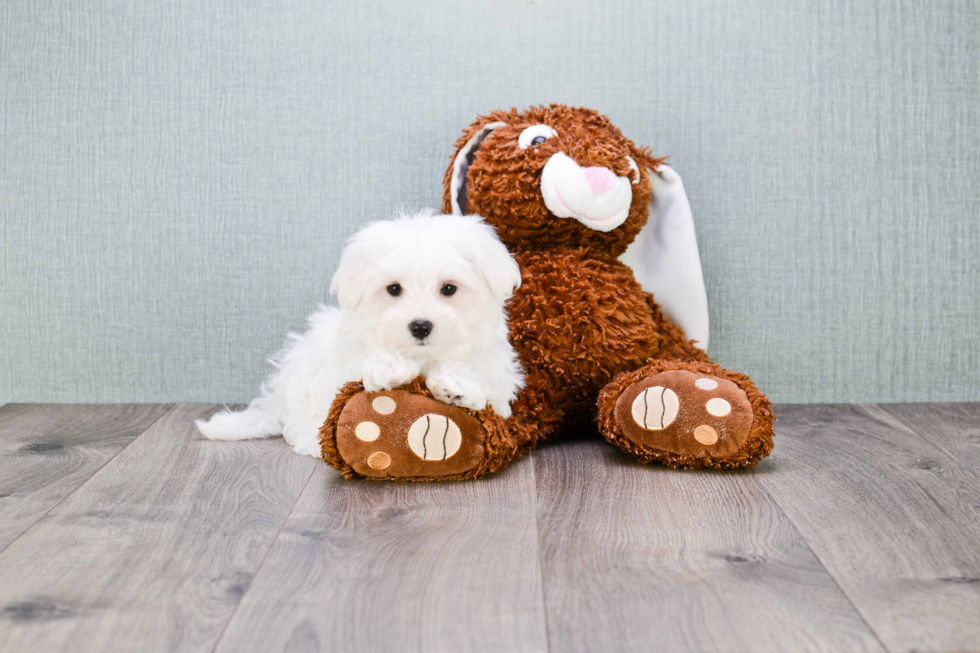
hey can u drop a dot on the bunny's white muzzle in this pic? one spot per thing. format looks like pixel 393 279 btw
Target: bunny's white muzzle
pixel 596 197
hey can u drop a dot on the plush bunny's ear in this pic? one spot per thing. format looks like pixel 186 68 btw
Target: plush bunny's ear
pixel 665 258
pixel 461 164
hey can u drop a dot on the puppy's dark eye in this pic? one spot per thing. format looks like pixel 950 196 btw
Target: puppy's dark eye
pixel 394 290
pixel 448 290
pixel 538 140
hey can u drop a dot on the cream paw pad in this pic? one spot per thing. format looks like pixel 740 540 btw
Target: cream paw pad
pixel 434 437
pixel 655 408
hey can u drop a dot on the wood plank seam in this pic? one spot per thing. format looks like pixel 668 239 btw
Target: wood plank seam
pixel 272 544
pixel 537 538
pixel 366 566
pixel 887 422
pixel 619 570
pixel 86 481
pixel 174 521
pixel 887 418
pixel 830 574
pixel 937 443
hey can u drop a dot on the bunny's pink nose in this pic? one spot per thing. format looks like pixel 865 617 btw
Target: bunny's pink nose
pixel 599 179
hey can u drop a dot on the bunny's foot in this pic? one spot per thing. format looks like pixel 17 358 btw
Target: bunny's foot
pixel 687 414
pixel 406 434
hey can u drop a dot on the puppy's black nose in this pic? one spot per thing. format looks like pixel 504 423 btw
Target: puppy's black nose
pixel 420 329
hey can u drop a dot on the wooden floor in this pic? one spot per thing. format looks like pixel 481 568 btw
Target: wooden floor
pixel 121 529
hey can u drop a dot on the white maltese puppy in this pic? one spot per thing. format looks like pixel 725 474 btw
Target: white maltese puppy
pixel 421 294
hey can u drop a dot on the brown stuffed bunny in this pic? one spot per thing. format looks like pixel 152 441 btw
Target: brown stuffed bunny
pixel 567 193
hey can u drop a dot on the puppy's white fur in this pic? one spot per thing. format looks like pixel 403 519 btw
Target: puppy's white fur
pixel 465 360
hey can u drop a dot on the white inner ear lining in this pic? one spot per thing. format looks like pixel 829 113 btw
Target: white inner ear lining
pixel 457 186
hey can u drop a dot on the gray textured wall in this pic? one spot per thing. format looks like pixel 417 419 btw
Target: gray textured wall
pixel 178 177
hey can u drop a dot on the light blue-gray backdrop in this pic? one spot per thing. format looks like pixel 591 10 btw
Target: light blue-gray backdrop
pixel 178 178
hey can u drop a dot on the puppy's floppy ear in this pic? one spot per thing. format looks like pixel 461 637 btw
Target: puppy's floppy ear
pixel 461 165
pixel 351 283
pixel 665 257
pixel 490 259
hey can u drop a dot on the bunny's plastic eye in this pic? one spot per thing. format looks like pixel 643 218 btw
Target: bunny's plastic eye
pixel 394 290
pixel 535 135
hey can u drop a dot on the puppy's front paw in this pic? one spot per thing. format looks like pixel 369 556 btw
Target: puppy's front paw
pixel 384 372
pixel 457 389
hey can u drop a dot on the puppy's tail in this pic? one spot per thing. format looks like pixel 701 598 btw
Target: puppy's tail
pixel 256 421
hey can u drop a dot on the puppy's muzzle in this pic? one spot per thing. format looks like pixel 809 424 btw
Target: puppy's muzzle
pixel 420 329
